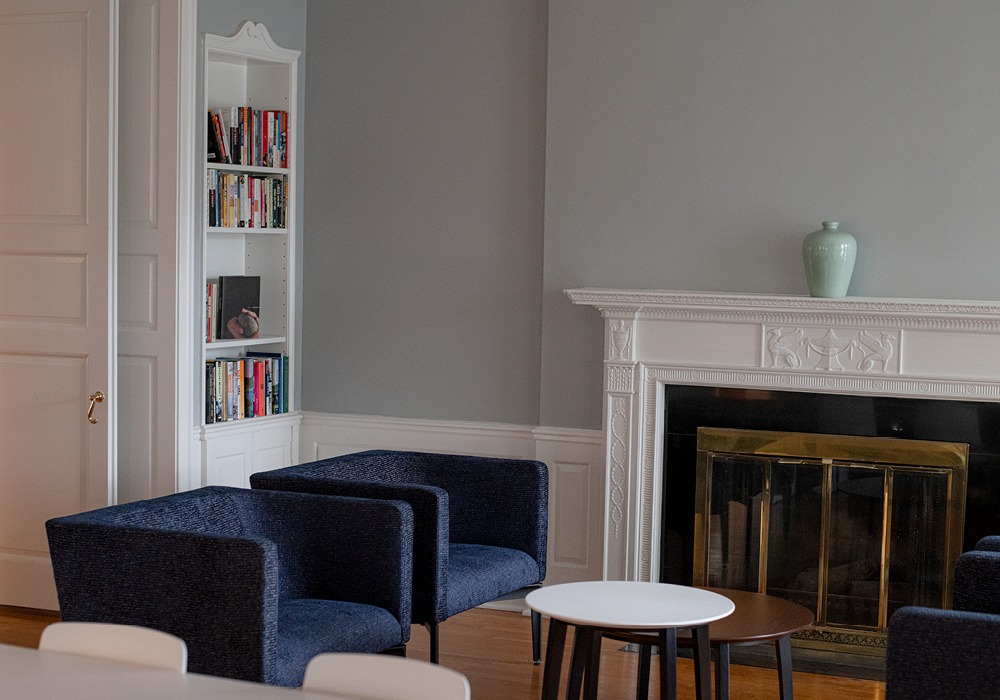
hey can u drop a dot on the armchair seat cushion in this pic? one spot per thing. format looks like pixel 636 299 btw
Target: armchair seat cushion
pixel 480 573
pixel 307 627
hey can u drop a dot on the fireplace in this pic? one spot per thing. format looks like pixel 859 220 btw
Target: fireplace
pixel 863 366
pixel 851 527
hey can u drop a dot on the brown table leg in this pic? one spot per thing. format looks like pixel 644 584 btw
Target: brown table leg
pixel 722 673
pixel 536 636
pixel 553 659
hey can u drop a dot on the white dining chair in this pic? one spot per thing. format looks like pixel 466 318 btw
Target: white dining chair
pixel 384 677
pixel 130 644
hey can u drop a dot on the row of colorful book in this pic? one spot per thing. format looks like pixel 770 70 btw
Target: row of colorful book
pixel 247 136
pixel 246 387
pixel 241 200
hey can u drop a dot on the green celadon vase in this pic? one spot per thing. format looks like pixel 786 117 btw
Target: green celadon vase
pixel 829 255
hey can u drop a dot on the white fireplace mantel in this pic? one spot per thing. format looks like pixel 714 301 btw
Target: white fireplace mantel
pixel 917 348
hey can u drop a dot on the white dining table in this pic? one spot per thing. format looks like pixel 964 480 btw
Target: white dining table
pixel 47 675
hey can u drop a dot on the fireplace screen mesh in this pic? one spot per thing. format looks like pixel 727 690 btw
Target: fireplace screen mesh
pixel 849 527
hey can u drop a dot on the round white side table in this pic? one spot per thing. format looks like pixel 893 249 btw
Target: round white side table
pixel 594 607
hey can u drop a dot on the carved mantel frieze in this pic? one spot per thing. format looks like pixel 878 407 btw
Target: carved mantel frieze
pixel 831 350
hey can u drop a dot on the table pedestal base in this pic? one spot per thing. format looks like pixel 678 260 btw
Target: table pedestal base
pixel 586 662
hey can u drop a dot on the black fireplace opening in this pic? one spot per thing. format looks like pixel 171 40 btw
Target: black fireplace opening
pixel 688 408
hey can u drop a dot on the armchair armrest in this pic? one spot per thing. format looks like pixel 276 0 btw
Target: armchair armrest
pixel 336 548
pixel 977 574
pixel 990 543
pixel 429 555
pixel 941 654
pixel 216 592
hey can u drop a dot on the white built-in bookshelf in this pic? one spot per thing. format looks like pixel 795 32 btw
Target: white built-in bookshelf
pixel 249 219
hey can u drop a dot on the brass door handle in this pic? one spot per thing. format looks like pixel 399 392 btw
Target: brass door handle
pixel 95 398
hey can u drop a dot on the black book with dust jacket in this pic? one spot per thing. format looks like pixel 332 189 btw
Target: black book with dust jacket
pixel 239 307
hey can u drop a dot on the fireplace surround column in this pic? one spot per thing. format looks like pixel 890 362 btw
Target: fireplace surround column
pixel 620 410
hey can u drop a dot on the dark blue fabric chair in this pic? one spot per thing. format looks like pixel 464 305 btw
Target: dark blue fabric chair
pixel 481 523
pixel 935 653
pixel 255 582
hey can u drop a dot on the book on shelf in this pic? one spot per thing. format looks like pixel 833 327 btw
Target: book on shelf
pixel 248 136
pixel 211 146
pixel 233 123
pixel 242 200
pixel 239 307
pixel 221 123
pixel 249 386
pixel 211 310
pixel 276 375
pixel 217 134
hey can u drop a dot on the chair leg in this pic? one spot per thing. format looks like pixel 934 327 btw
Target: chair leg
pixel 536 637
pixel 432 629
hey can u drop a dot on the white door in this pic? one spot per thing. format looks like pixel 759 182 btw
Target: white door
pixel 156 377
pixel 56 275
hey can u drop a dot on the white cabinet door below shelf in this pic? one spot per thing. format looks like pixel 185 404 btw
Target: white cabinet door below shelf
pixel 235 452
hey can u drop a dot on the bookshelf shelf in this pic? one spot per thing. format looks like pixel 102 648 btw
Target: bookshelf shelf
pixel 244 230
pixel 253 342
pixel 253 169
pixel 248 417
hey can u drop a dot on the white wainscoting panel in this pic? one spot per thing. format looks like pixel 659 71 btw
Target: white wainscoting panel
pixel 574 457
pixel 328 435
pixel 576 502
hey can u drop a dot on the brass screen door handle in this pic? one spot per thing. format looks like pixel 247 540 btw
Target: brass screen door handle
pixel 95 398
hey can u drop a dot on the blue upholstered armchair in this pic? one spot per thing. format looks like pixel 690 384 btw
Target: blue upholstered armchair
pixel 481 524
pixel 255 582
pixel 950 653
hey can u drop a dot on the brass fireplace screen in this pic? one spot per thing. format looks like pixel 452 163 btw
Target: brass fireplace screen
pixel 851 527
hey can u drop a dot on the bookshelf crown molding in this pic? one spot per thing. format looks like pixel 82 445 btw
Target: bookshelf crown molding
pixel 251 40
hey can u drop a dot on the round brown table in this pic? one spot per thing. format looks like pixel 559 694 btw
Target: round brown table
pixel 758 618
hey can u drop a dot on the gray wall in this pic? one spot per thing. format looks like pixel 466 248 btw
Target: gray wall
pixel 688 144
pixel 691 144
pixel 424 189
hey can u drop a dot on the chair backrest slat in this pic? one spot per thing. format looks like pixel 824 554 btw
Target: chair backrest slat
pixel 139 646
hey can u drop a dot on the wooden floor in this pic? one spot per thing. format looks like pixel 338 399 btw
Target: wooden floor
pixel 493 649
